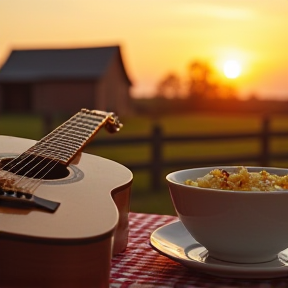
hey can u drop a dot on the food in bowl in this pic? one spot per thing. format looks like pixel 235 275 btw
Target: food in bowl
pixel 233 225
pixel 241 180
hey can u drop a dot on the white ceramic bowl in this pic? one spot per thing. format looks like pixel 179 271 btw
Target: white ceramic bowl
pixel 234 226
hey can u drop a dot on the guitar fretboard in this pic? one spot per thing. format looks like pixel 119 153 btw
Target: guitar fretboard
pixel 63 143
pixel 21 176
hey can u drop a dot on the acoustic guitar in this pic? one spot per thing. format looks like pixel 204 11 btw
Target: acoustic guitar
pixel 62 216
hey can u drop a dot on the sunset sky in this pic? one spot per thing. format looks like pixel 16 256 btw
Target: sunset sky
pixel 162 36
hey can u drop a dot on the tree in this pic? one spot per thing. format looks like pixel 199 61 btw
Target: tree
pixel 199 84
pixel 169 86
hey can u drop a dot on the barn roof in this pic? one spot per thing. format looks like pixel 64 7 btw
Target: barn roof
pixel 50 64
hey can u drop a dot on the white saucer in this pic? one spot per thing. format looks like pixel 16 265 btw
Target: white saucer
pixel 175 242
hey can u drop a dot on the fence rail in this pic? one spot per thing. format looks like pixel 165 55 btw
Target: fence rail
pixel 157 140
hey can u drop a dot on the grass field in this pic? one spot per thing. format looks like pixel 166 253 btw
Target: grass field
pixel 143 199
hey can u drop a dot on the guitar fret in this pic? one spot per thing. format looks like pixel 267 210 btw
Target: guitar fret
pixel 83 124
pixel 82 129
pixel 89 120
pixel 59 157
pixel 72 135
pixel 59 143
pixel 68 136
pixel 69 140
pixel 52 152
pixel 73 122
pixel 79 133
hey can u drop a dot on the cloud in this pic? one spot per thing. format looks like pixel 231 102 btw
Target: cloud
pixel 217 11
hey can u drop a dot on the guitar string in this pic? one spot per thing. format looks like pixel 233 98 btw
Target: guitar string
pixel 86 111
pixel 92 128
pixel 36 152
pixel 53 133
pixel 36 183
pixel 23 159
pixel 83 121
pixel 28 155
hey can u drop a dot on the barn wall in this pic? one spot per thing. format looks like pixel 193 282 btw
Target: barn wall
pixel 62 97
pixel 113 91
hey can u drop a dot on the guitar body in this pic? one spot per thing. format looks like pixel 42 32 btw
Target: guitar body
pixel 73 246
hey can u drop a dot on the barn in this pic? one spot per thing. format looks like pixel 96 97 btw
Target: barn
pixel 62 81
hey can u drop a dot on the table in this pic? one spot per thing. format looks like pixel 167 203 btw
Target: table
pixel 142 267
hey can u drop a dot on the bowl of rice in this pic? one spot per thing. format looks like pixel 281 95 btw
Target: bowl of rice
pixel 239 214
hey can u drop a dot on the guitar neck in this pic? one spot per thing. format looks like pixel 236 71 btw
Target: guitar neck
pixel 64 143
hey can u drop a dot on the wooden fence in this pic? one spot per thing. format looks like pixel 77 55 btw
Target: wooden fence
pixel 157 140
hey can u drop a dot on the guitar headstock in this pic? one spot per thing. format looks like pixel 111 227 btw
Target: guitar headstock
pixel 113 124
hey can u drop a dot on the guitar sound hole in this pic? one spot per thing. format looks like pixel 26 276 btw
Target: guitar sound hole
pixel 35 167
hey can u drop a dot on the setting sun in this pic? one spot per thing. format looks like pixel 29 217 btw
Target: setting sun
pixel 232 69
pixel 169 40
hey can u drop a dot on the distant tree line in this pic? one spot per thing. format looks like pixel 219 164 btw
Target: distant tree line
pixel 200 84
pixel 200 91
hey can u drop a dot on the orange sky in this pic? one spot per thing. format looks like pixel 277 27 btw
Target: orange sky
pixel 159 36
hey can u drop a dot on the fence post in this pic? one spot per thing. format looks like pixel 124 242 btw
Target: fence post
pixel 157 160
pixel 265 142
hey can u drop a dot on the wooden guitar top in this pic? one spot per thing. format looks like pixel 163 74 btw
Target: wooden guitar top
pixel 87 211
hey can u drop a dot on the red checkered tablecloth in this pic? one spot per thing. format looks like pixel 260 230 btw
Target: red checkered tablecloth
pixel 142 267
